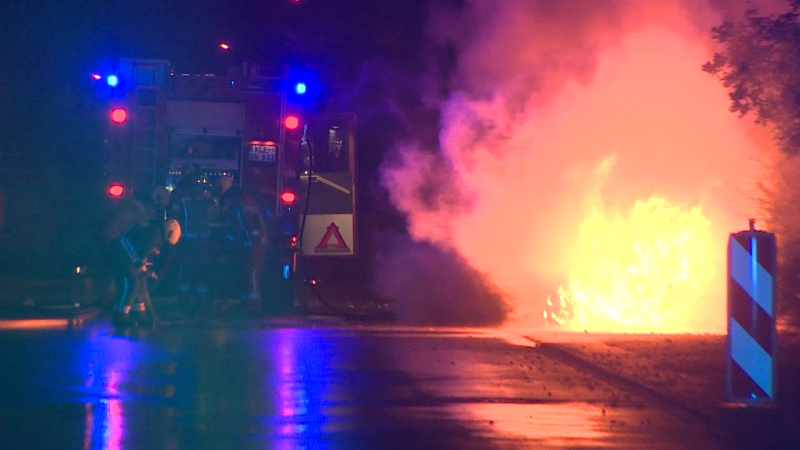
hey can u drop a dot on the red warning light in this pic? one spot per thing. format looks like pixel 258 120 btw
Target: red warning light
pixel 313 282
pixel 288 197
pixel 294 241
pixel 119 115
pixel 291 122
pixel 116 190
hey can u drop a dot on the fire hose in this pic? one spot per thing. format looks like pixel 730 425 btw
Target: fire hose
pixel 337 310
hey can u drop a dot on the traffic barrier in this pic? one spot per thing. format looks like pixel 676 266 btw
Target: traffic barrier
pixel 752 335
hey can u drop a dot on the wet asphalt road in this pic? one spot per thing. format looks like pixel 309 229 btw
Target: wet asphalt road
pixel 304 384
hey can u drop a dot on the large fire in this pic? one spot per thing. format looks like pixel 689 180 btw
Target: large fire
pixel 634 243
pixel 642 271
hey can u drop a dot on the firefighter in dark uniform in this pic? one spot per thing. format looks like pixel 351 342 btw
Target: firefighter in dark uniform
pixel 239 215
pixel 135 233
pixel 191 207
pixel 134 250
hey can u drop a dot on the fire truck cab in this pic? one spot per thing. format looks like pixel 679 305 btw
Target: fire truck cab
pixel 247 124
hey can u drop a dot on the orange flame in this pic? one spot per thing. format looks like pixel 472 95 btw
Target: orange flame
pixel 644 272
pixel 637 249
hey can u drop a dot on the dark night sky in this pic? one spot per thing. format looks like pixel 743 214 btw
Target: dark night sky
pixel 49 120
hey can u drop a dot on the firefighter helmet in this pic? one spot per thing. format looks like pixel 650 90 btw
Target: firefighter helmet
pixel 172 231
pixel 160 195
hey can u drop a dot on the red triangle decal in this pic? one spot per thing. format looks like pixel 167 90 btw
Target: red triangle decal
pixel 326 244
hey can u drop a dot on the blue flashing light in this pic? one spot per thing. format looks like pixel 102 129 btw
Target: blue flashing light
pixel 286 271
pixel 301 85
pixel 112 80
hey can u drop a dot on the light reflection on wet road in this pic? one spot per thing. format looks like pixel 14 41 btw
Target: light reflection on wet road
pixel 304 385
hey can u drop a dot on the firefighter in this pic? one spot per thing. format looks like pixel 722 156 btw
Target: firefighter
pixel 134 250
pixel 191 207
pixel 123 215
pixel 239 215
pixel 133 228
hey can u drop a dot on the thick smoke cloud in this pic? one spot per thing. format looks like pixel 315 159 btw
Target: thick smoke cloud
pixel 558 108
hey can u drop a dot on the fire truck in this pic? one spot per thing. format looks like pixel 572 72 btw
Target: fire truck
pixel 254 125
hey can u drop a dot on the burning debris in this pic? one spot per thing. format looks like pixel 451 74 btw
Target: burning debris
pixel 644 271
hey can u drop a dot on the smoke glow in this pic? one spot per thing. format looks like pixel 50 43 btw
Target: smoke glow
pixel 591 174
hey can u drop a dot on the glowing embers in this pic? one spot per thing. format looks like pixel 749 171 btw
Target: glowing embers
pixel 644 272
